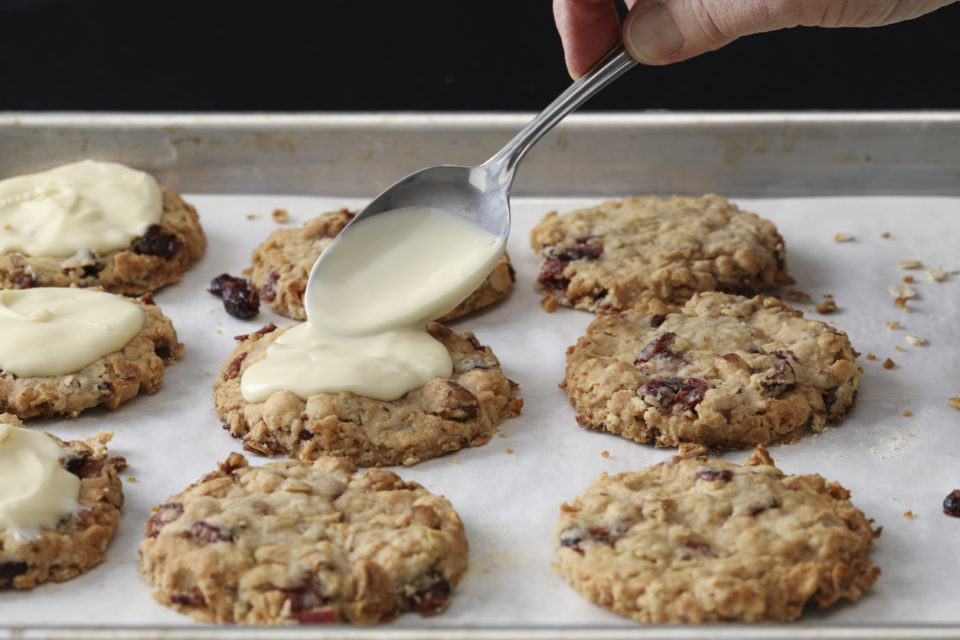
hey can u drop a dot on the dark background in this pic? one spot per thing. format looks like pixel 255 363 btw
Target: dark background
pixel 431 55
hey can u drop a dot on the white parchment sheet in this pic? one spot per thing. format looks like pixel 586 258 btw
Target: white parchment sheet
pixel 508 492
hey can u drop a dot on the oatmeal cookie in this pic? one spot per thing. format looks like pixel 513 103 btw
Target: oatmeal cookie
pixel 107 381
pixel 292 542
pixel 282 264
pixel 619 253
pixel 723 371
pixel 443 415
pixel 80 540
pixel 158 257
pixel 697 540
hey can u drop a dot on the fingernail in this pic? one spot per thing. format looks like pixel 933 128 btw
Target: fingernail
pixel 651 35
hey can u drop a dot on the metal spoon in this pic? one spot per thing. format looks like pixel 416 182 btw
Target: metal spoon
pixel 481 193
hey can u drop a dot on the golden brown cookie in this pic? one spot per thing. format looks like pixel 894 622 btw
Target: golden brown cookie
pixel 620 253
pixel 443 415
pixel 723 371
pixel 298 543
pixel 698 540
pixel 282 264
pixel 80 540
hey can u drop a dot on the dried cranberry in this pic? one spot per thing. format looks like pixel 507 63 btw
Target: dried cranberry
pixel 659 347
pixel 951 504
pixel 191 598
pixel 239 299
pixel 221 282
pixel 163 351
pixel 551 274
pixel 83 467
pixel 829 398
pixel 723 475
pixel 781 379
pixel 10 570
pixel 206 532
pixel 23 281
pixel 234 368
pixel 157 242
pixel 673 393
pixel 157 520
pixel 432 599
pixel 91 270
pixel 586 248
pixel 657 320
pixel 318 616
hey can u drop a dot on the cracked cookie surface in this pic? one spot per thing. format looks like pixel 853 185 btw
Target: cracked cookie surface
pixel 158 257
pixel 723 371
pixel 697 540
pixel 282 264
pixel 620 253
pixel 443 415
pixel 80 540
pixel 298 543
pixel 108 381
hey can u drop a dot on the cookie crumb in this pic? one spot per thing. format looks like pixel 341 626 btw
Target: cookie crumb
pixel 280 215
pixel 907 413
pixel 908 279
pixel 955 402
pixel 893 325
pixel 901 303
pixel 898 348
pixel 828 296
pixel 908 514
pixel 798 296
pixel 605 454
pixel 252 216
pixel 131 479
pixel 916 341
pixel 456 461
pixel 885 235
pixel 904 291
pixel 870 356
pixel 843 237
pixel 502 435
pixel 936 274
pixel 889 364
pixel 827 306
pixel 909 264
pixel 509 450
pixel 549 304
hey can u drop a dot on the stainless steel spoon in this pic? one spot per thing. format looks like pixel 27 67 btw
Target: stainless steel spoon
pixel 481 193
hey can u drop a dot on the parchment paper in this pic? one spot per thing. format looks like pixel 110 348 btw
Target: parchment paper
pixel 508 492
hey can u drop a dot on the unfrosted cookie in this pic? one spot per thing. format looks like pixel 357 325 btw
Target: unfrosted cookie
pixel 80 541
pixel 107 381
pixel 619 253
pixel 282 264
pixel 443 415
pixel 291 542
pixel 697 540
pixel 723 370
pixel 158 257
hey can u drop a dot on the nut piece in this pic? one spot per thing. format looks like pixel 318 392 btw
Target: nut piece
pixel 902 291
pixel 916 340
pixel 843 237
pixel 870 356
pixel 907 413
pixel 955 402
pixel 280 215
pixel 901 303
pixel 936 274
pixel 889 364
pixel 893 325
pixel 827 306
pixel 909 264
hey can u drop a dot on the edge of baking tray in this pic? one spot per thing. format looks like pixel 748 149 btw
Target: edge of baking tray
pixel 357 155
pixel 745 155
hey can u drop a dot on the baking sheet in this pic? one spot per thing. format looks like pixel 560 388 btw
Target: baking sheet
pixel 508 492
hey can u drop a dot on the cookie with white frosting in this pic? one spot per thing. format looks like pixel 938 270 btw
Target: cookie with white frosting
pixel 95 224
pixel 298 543
pixel 443 415
pixel 620 253
pixel 65 350
pixel 72 497
pixel 282 264
pixel 698 540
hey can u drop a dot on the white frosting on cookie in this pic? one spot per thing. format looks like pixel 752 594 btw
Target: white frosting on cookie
pixel 36 492
pixel 51 331
pixel 368 309
pixel 87 206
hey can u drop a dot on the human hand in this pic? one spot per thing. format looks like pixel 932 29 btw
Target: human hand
pixel 659 32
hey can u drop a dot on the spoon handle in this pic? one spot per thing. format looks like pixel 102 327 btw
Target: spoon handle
pixel 610 67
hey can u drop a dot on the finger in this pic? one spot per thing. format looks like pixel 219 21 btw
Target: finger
pixel 588 29
pixel 664 31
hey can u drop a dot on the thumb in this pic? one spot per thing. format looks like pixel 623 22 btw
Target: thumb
pixel 659 32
